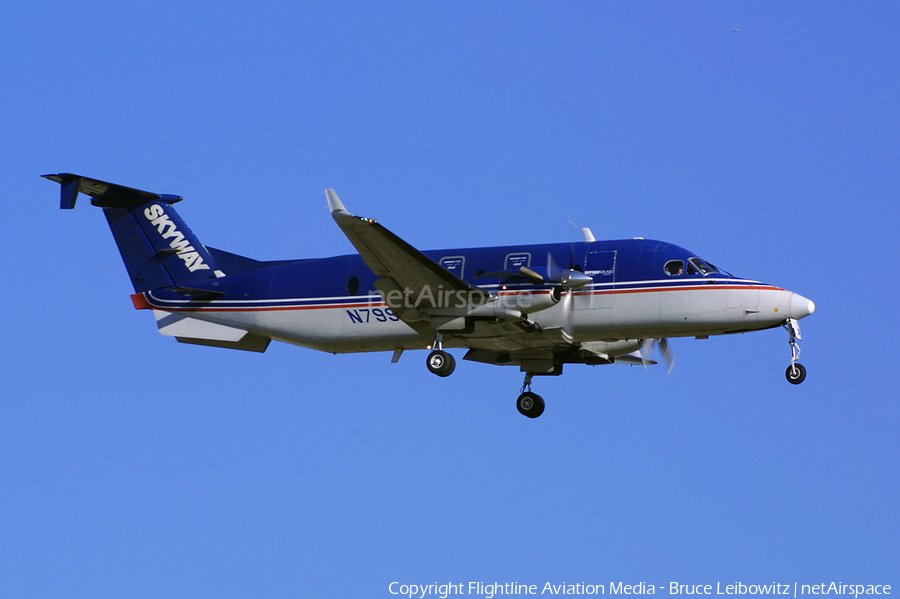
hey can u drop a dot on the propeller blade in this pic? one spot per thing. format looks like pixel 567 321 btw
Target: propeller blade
pixel 573 236
pixel 646 352
pixel 535 277
pixel 551 264
pixel 568 316
pixel 667 355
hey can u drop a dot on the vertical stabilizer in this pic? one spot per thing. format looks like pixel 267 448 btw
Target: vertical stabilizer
pixel 157 247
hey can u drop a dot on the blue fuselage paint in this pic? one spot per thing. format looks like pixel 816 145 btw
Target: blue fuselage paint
pixel 636 261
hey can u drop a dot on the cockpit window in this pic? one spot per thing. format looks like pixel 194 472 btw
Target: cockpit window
pixel 674 268
pixel 701 266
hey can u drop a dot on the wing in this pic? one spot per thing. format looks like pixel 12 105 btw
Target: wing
pixel 421 282
pixel 430 299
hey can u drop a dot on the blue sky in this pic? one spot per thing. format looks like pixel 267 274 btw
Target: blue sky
pixel 133 466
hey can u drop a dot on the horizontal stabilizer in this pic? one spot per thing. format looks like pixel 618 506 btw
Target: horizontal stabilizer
pixel 106 195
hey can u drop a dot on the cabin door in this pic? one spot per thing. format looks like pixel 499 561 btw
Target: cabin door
pixel 602 267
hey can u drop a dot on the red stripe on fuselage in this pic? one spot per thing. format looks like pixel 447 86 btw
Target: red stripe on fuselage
pixel 267 308
pixel 693 288
pixel 146 303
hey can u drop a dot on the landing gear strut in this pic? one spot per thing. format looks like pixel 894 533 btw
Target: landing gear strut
pixel 796 372
pixel 529 404
pixel 440 362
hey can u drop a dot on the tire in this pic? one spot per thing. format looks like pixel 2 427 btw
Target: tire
pixel 795 374
pixel 441 363
pixel 530 404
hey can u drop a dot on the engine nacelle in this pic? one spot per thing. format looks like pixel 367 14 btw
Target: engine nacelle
pixel 528 301
pixel 614 348
pixel 511 304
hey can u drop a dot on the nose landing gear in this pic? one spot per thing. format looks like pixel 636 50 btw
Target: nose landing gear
pixel 529 404
pixel 796 372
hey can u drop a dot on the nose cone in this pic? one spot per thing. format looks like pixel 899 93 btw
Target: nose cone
pixel 801 307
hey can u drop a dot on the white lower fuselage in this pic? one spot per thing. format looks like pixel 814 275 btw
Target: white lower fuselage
pixel 649 309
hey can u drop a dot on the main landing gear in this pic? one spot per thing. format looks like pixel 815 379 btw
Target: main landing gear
pixel 440 362
pixel 529 404
pixel 796 372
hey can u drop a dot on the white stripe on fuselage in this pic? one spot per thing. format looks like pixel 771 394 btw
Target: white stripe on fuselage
pixel 329 327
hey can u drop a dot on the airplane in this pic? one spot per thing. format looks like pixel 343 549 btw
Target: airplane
pixel 537 307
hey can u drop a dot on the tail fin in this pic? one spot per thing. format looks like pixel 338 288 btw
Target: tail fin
pixel 157 247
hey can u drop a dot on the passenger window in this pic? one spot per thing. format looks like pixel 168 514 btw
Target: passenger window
pixel 674 267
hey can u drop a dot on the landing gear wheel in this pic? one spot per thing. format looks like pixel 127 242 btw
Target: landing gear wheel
pixel 441 363
pixel 795 373
pixel 530 404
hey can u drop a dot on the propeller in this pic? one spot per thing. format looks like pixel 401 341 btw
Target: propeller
pixel 573 236
pixel 532 275
pixel 567 278
pixel 573 279
pixel 568 327
pixel 667 356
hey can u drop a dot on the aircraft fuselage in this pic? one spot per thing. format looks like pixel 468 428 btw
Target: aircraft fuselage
pixel 331 304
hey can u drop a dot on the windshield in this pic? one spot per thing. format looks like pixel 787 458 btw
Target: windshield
pixel 701 266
